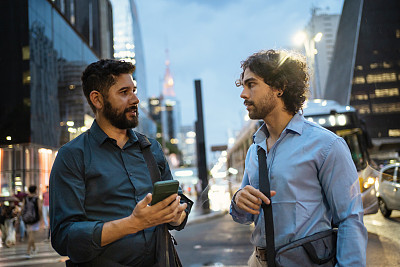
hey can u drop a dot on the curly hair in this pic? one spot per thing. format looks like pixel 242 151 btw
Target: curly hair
pixel 100 76
pixel 283 70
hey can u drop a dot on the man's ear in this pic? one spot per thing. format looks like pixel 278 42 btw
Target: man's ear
pixel 97 99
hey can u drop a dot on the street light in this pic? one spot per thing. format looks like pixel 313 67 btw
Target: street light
pixel 302 38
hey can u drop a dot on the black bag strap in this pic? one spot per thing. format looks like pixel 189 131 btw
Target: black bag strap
pixel 151 163
pixel 268 219
pixel 312 253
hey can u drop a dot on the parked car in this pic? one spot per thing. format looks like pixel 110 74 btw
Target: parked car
pixel 388 189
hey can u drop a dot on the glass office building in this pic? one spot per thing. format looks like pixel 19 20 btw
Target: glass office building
pixel 128 46
pixel 46 45
pixel 365 71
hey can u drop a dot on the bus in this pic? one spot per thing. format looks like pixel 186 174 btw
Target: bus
pixel 342 120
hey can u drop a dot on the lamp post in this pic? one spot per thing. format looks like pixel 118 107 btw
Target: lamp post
pixel 302 38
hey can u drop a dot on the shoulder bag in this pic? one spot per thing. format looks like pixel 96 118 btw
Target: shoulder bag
pixel 315 250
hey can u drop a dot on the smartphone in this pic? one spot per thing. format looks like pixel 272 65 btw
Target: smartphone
pixel 164 189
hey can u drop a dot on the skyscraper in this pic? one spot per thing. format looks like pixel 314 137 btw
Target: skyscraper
pixel 171 110
pixel 128 46
pixel 365 70
pixel 48 43
pixel 327 25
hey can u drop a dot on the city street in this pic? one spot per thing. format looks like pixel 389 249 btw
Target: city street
pixel 222 242
pixel 218 241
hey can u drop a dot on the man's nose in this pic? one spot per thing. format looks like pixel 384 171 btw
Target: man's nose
pixel 134 99
pixel 244 94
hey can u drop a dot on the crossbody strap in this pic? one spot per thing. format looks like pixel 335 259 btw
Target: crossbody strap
pixel 151 163
pixel 268 219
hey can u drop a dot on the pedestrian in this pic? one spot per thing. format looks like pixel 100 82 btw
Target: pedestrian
pixel 45 211
pixel 31 216
pixel 7 221
pixel 310 169
pixel 22 231
pixel 45 207
pixel 100 184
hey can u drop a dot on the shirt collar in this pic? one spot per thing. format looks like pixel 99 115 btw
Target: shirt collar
pixel 295 125
pixel 100 136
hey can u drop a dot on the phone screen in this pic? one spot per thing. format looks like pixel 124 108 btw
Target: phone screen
pixel 164 189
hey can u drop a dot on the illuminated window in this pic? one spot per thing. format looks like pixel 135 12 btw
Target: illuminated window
pixel 386 108
pixel 26 77
pixel 380 78
pixel 154 102
pixel 386 65
pixel 387 92
pixel 359 67
pixel 359 80
pixel 363 109
pixel 394 132
pixel 398 33
pixel 361 97
pixel 25 53
pixel 374 65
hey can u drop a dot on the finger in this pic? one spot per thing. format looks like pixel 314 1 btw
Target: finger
pixel 265 199
pixel 250 204
pixel 251 195
pixel 247 209
pixel 182 207
pixel 164 203
pixel 174 205
pixel 145 201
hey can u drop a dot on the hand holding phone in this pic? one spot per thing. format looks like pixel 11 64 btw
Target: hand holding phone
pixel 164 189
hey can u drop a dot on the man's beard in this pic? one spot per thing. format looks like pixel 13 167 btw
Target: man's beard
pixel 260 110
pixel 119 120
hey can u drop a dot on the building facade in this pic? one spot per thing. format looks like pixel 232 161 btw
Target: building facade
pixel 188 146
pixel 128 46
pixel 365 70
pixel 327 25
pixel 49 44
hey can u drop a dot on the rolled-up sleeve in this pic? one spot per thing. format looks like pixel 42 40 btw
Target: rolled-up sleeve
pixel 339 179
pixel 71 233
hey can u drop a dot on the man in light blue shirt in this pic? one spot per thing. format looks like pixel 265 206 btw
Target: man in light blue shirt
pixel 312 176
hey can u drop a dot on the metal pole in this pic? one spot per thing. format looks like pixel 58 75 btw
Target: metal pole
pixel 201 147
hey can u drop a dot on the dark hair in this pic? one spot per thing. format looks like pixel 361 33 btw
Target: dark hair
pixel 100 76
pixel 32 189
pixel 283 70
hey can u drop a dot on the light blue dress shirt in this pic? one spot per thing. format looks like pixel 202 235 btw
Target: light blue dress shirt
pixel 316 182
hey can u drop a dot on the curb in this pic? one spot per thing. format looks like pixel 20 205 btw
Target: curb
pixel 206 217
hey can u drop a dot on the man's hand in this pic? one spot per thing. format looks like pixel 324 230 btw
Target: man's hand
pixel 144 216
pixel 168 210
pixel 249 199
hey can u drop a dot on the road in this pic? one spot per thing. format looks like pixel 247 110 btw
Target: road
pixel 383 239
pixel 222 242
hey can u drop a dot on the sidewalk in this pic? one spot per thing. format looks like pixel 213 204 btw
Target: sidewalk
pixel 16 255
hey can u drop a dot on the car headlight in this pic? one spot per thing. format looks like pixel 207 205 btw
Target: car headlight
pixel 366 183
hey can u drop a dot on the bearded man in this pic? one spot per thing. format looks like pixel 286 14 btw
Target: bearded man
pixel 312 176
pixel 100 184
